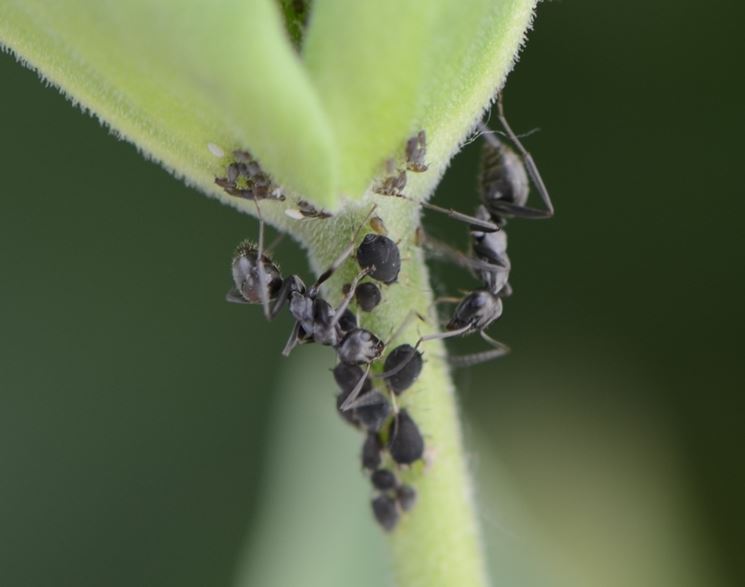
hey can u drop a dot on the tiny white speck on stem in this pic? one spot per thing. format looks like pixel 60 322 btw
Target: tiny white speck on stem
pixel 215 150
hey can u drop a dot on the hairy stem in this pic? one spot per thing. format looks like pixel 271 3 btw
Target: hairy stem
pixel 437 543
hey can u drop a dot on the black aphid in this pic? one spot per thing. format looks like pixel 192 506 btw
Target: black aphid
pixel 360 347
pixel 406 444
pixel 406 497
pixel 402 367
pixel 368 296
pixel 416 151
pixel 371 450
pixel 380 255
pixel 385 512
pixel 384 480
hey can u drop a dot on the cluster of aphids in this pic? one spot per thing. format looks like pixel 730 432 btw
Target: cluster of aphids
pixel 392 437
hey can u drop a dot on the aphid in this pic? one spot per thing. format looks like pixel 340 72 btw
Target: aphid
pixel 244 178
pixel 384 480
pixel 367 296
pixel 385 512
pixel 393 183
pixel 377 224
pixel 406 497
pixel 247 278
pixel 371 450
pixel 360 347
pixel 506 175
pixel 380 255
pixel 402 368
pixel 406 444
pixel 416 151
pixel 306 210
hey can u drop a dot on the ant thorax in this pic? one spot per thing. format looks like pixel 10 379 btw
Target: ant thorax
pixel 503 177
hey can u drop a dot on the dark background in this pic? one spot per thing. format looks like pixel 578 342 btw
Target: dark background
pixel 136 406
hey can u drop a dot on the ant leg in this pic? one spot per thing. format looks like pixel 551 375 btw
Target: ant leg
pixel 292 342
pixel 530 165
pixel 444 335
pixel 348 298
pixel 485 225
pixel 277 239
pixel 263 287
pixel 348 403
pixel 235 297
pixel 460 258
pixel 368 399
pixel 282 297
pixel 343 256
pixel 499 350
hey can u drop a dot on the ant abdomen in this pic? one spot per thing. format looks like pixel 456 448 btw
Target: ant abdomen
pixel 245 270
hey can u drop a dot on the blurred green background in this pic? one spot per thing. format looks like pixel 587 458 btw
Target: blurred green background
pixel 152 435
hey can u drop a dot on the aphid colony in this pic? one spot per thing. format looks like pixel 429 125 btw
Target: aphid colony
pixel 392 437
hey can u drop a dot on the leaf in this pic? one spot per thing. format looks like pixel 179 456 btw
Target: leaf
pixel 471 52
pixel 174 75
pixel 387 68
pixel 367 60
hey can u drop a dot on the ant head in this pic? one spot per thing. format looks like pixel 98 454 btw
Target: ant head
pixel 360 347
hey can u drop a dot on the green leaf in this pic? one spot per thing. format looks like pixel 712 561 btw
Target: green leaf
pixel 472 50
pixel 175 75
pixel 367 60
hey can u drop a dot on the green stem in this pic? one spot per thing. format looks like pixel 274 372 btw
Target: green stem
pixel 437 544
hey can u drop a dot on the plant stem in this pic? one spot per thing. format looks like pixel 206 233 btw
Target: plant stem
pixel 436 544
